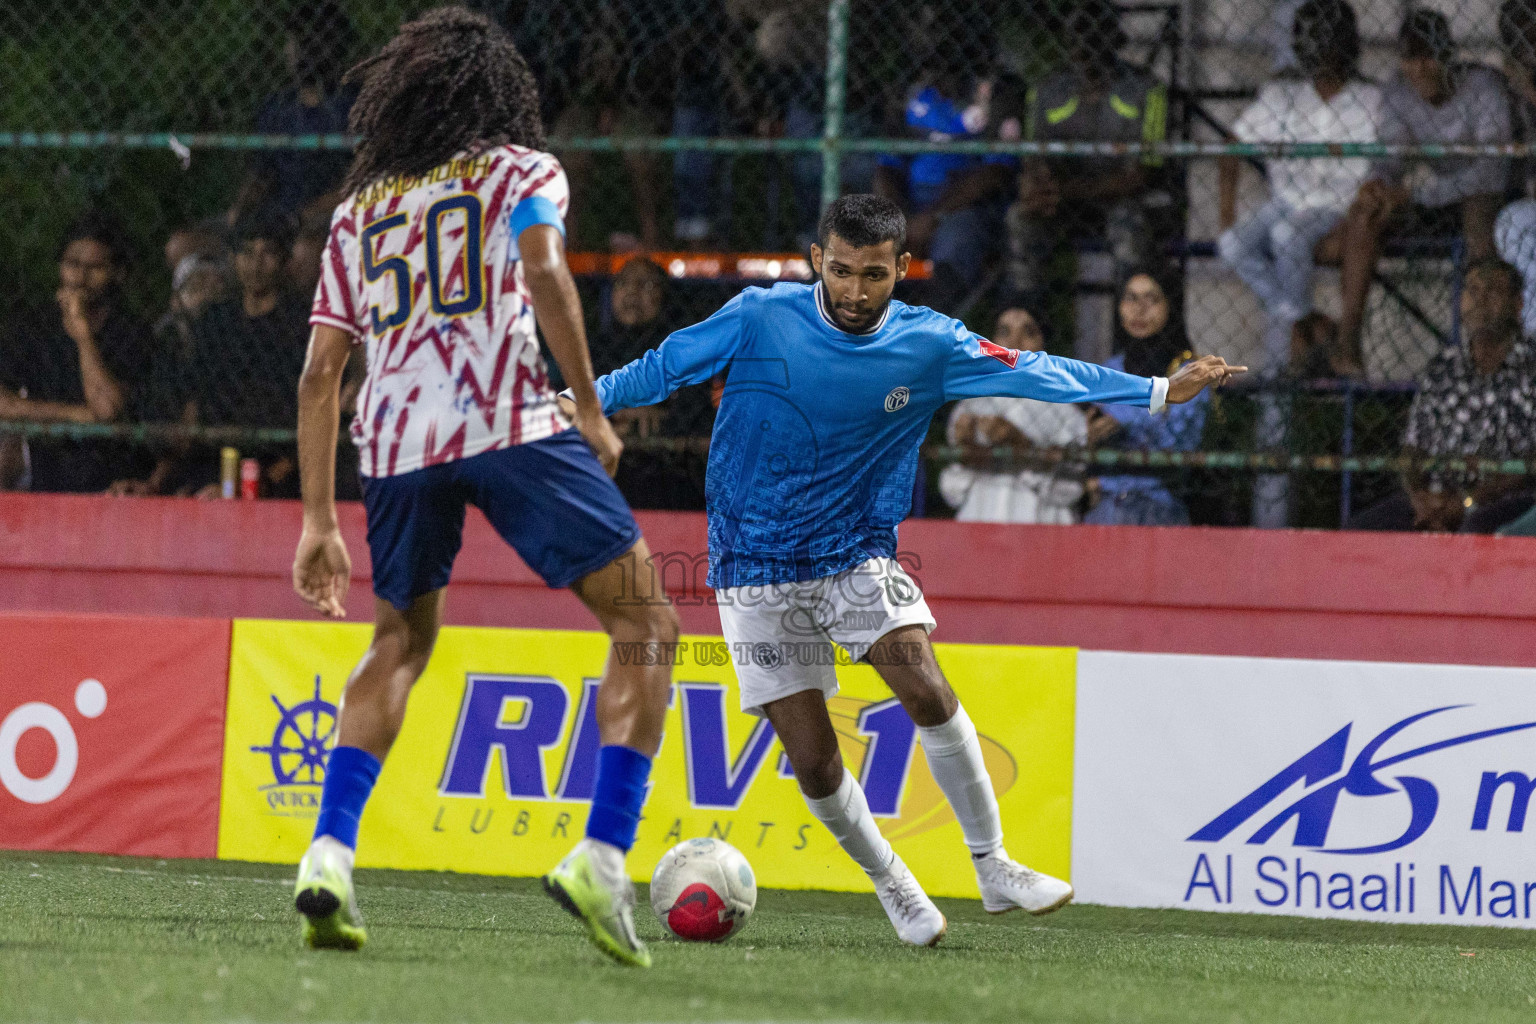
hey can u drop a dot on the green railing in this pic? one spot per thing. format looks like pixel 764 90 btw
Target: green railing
pixel 835 145
pixel 1002 458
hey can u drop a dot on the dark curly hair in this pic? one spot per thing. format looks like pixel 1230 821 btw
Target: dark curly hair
pixel 450 82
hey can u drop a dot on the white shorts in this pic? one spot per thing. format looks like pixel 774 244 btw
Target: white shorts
pixel 781 635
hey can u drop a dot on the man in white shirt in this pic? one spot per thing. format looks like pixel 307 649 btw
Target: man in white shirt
pixel 1432 99
pixel 977 425
pixel 1272 248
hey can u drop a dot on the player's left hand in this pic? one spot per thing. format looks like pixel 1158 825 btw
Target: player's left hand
pixel 1198 374
pixel 599 433
pixel 322 571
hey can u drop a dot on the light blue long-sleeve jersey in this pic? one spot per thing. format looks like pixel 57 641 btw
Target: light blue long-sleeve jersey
pixel 815 445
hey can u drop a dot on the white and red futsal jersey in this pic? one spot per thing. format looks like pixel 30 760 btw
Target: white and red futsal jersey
pixel 425 271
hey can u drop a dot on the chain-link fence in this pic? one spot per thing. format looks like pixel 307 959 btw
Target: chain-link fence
pixel 1316 188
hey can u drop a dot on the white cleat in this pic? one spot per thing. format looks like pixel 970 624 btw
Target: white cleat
pixel 917 921
pixel 1008 885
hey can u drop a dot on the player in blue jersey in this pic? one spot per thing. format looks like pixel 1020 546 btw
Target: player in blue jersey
pixel 448 246
pixel 829 392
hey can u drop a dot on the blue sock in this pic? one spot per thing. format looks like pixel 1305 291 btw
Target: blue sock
pixel 617 796
pixel 349 777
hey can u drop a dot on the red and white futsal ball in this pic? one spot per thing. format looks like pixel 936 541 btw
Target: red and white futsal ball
pixel 703 890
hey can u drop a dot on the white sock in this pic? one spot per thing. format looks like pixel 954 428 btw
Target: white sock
pixel 846 815
pixel 954 757
pixel 607 858
pixel 338 849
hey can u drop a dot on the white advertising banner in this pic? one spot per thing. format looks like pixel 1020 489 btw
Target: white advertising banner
pixel 1325 789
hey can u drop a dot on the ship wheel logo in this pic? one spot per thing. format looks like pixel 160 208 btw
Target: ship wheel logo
pixel 303 738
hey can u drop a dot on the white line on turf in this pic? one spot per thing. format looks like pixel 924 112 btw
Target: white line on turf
pixel 174 876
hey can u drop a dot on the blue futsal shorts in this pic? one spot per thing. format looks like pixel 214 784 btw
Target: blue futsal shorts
pixel 549 499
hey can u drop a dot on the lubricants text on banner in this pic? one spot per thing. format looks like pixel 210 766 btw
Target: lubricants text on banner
pixel 495 767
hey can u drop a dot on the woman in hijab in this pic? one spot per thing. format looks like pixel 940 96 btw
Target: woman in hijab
pixel 1149 340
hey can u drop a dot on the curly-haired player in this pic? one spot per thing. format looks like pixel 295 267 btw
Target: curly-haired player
pixel 449 245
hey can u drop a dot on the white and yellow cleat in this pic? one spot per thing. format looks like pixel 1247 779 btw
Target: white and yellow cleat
pixel 916 920
pixel 325 898
pixel 591 885
pixel 1008 885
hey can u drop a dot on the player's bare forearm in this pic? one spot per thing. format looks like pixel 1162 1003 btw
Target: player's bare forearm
pixel 558 309
pixel 322 568
pixel 319 416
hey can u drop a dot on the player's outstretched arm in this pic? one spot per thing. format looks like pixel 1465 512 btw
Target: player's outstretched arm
pixel 690 356
pixel 1197 375
pixel 558 309
pixel 322 570
pixel 978 368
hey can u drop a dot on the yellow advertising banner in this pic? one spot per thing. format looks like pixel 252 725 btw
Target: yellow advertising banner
pixel 494 768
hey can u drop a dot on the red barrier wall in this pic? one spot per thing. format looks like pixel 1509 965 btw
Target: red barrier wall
pixel 1271 593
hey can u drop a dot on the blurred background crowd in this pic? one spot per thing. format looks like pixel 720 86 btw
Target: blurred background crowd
pixel 1384 301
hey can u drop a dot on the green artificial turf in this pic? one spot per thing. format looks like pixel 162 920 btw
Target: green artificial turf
pixel 116 939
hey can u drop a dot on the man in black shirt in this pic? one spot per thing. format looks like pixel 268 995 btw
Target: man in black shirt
pixel 1475 401
pixel 77 361
pixel 246 356
pixel 318 38
pixel 250 349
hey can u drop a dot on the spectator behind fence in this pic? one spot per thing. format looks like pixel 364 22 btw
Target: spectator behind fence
pixel 198 262
pixel 1150 341
pixel 708 43
pixel 302 274
pixel 615 93
pixel 778 92
pixel 1095 98
pixel 318 38
pixel 1517 41
pixel 1514 235
pixel 1272 249
pixel 983 494
pixel 193 240
pixel 1515 229
pixel 954 202
pixel 801 48
pixel 1476 400
pixel 1432 99
pixel 635 319
pixel 243 370
pixel 78 361
pixel 199 281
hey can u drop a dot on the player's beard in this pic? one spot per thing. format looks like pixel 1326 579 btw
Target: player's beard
pixel 857 323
